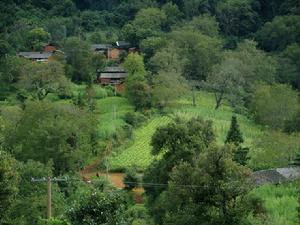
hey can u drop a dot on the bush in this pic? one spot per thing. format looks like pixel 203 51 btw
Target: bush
pixel 131 178
pixel 135 119
pixel 100 93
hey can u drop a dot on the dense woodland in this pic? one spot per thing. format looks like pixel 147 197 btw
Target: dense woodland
pixel 211 97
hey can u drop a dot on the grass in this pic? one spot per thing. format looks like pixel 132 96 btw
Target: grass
pixel 140 152
pixel 111 111
pixel 280 202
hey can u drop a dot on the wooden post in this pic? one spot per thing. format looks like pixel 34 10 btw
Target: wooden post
pixel 49 198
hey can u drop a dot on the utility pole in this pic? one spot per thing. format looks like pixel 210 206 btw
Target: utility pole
pixel 49 181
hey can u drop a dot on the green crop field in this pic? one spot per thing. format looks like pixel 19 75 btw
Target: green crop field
pixel 280 202
pixel 140 152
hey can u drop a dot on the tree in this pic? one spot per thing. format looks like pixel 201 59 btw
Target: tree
pixel 136 88
pixel 273 105
pixel 131 178
pixel 164 84
pixel 200 51
pixel 234 134
pixel 237 18
pixel 78 57
pixel 213 191
pixel 51 131
pixel 205 24
pixel 29 205
pixel 9 181
pixel 147 23
pixel 226 82
pixel 36 38
pixel 100 208
pixel 43 78
pixel 274 150
pixel 289 70
pixel 178 141
pixel 236 77
pixel 173 14
pixel 167 59
pixel 272 36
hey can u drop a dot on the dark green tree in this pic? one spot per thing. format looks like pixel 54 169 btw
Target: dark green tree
pixel 100 208
pixel 9 181
pixel 234 134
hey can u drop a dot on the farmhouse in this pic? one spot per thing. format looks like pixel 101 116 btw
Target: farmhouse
pixel 112 76
pixel 36 56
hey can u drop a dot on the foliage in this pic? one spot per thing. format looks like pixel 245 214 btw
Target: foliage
pixel 272 105
pixel 46 131
pixel 164 84
pixel 234 134
pixel 290 69
pixel 272 36
pixel 212 196
pixel 100 208
pixel 274 150
pixel 280 202
pixel 9 181
pixel 131 178
pixel 42 79
pixel 136 89
pixel 78 57
pixel 36 38
pixel 148 22
pixel 135 119
pixel 30 203
pixel 237 17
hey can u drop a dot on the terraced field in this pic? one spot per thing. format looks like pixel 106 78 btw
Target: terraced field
pixel 140 152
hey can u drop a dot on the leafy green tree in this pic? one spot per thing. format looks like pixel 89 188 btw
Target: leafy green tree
pixel 235 137
pixel 236 77
pixel 237 18
pixel 293 125
pixel 100 208
pixel 9 181
pixel 205 24
pixel 43 78
pixel 179 141
pixel 164 84
pixel 273 105
pixel 234 134
pixel 200 51
pixel 30 204
pixel 227 82
pixel 78 57
pixel 289 69
pixel 148 22
pixel 213 191
pixel 57 28
pixel 272 36
pixel 37 37
pixel 136 88
pixel 173 14
pixel 274 150
pixel 150 45
pixel 46 131
pixel 132 178
pixel 167 59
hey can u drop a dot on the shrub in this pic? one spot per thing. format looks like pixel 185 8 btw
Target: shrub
pixel 135 119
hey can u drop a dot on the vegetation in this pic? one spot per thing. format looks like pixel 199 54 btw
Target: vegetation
pixel 210 93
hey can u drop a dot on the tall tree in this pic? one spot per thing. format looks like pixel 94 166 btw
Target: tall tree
pixel 78 57
pixel 234 134
pixel 9 180
pixel 136 88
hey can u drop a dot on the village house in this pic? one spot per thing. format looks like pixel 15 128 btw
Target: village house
pixel 36 56
pixel 114 76
pixel 114 51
